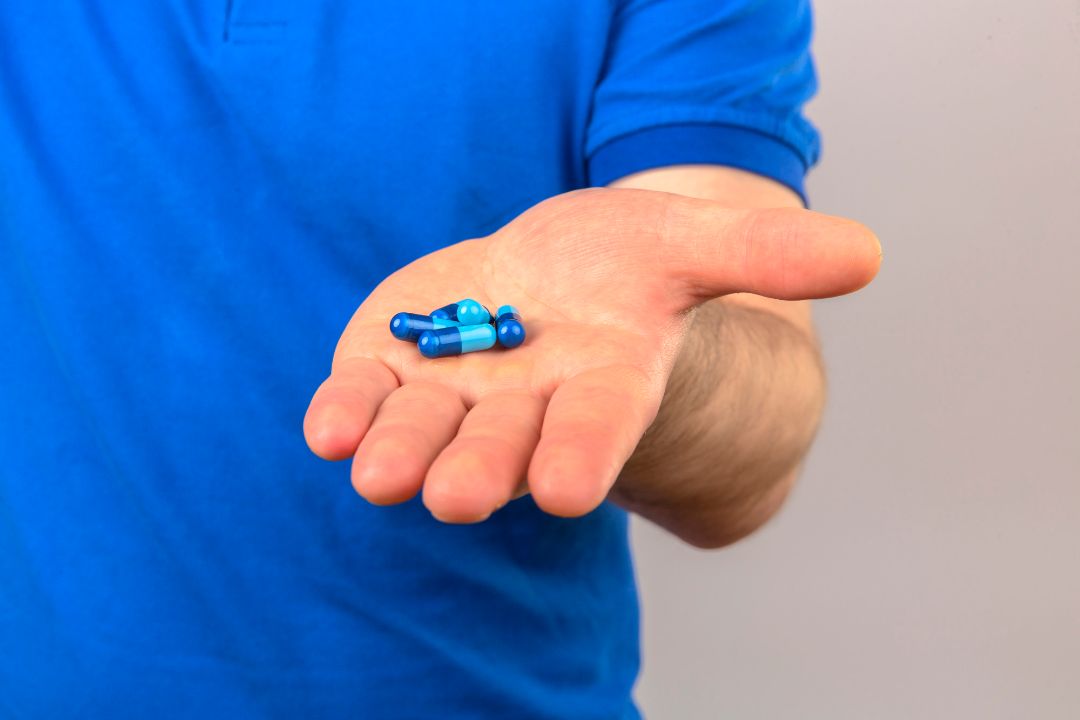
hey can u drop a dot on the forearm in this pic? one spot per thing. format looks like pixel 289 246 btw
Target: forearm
pixel 743 400
pixel 740 411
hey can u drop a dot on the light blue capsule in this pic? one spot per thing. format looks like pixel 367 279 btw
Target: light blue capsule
pixel 409 326
pixel 466 312
pixel 509 328
pixel 456 340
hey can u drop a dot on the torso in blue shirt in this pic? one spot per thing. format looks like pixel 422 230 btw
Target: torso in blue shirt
pixel 194 197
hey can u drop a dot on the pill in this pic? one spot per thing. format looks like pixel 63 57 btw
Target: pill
pixel 456 340
pixel 509 329
pixel 409 326
pixel 466 312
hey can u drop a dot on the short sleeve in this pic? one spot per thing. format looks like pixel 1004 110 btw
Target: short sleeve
pixel 705 81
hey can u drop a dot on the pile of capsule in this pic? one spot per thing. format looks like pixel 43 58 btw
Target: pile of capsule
pixel 462 327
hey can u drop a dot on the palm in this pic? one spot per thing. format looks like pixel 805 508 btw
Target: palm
pixel 604 291
pixel 570 329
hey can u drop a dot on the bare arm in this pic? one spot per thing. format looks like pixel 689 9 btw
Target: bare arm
pixel 743 400
pixel 633 374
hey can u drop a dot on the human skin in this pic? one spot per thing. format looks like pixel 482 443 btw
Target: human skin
pixel 743 400
pixel 648 376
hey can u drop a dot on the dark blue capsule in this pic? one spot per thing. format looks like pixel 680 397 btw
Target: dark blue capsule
pixel 510 330
pixel 456 340
pixel 409 326
pixel 466 312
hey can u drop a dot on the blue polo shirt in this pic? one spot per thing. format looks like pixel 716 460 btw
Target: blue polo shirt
pixel 194 197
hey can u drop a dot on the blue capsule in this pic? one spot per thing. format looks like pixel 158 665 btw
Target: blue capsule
pixel 509 329
pixel 466 312
pixel 409 326
pixel 456 340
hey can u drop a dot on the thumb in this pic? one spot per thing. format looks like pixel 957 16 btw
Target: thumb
pixel 782 253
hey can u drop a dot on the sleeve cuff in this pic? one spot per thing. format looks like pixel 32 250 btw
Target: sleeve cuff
pixel 729 145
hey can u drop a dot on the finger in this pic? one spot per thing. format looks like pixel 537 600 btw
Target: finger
pixel 344 405
pixel 782 253
pixel 592 425
pixel 411 428
pixel 482 467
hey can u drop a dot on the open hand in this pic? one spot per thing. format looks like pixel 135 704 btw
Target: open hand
pixel 605 281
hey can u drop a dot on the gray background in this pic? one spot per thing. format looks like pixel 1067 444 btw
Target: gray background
pixel 928 563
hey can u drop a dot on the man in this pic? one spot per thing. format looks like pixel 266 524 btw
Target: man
pixel 196 195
